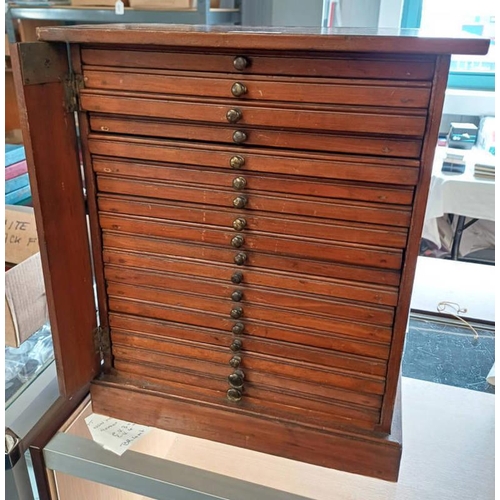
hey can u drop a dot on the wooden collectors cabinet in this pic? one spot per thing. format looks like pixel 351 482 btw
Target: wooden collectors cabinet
pixel 255 203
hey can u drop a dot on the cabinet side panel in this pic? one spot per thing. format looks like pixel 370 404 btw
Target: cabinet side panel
pixel 416 226
pixel 49 132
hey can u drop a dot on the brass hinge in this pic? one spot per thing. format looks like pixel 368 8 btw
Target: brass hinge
pixel 72 85
pixel 102 341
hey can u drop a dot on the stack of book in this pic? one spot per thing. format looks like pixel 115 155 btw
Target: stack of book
pixel 484 170
pixel 485 166
pixel 17 184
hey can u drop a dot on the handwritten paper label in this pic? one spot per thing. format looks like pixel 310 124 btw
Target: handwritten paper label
pixel 113 434
pixel 21 240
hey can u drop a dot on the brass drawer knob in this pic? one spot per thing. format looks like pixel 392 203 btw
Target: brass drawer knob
pixel 239 223
pixel 237 295
pixel 238 328
pixel 240 63
pixel 237 277
pixel 236 161
pixel 236 379
pixel 240 258
pixel 239 183
pixel 235 361
pixel 236 345
pixel 240 202
pixel 236 312
pixel 234 395
pixel 238 89
pixel 234 115
pixel 237 241
pixel 239 137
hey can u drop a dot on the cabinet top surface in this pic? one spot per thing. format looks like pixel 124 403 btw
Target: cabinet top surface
pixel 238 37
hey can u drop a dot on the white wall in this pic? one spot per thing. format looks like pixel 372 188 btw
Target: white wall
pixel 282 12
pixel 360 13
pixel 390 13
pixel 297 12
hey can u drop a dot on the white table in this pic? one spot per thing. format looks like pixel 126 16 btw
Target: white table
pixel 448 454
pixel 461 194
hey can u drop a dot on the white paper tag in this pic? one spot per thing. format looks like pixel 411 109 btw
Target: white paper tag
pixel 119 8
pixel 113 434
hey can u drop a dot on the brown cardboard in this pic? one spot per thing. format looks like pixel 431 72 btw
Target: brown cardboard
pixel 162 4
pixel 25 301
pixel 96 3
pixel 21 240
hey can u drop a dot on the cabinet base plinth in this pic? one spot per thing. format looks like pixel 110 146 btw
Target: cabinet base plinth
pixel 374 455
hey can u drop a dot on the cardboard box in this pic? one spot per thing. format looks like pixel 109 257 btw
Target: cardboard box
pixel 162 4
pixel 96 3
pixel 27 28
pixel 25 300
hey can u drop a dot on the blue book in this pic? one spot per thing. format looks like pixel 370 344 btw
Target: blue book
pixel 16 183
pixel 14 153
pixel 19 195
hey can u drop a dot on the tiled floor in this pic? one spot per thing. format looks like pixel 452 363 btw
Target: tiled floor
pixel 447 353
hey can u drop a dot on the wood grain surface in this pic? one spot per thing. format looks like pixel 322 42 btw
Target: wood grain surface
pixel 385 146
pixel 324 120
pixel 265 88
pixel 57 191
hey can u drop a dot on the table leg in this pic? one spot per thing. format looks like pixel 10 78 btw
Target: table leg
pixel 457 237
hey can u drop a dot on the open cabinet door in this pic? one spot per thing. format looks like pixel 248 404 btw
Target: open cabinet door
pixel 45 97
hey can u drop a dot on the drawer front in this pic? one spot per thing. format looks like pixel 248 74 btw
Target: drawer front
pixel 287 342
pixel 243 294
pixel 215 362
pixel 238 159
pixel 165 304
pixel 252 115
pixel 269 138
pixel 250 181
pixel 361 255
pixel 219 255
pixel 269 88
pixel 335 65
pixel 375 346
pixel 321 208
pixel 261 222
pixel 274 279
pixel 258 349
pixel 271 401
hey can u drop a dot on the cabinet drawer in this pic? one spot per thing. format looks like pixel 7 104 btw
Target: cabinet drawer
pixel 306 267
pixel 347 253
pixel 325 119
pixel 269 138
pixel 165 304
pixel 291 342
pixel 268 88
pixel 336 65
pixel 214 362
pixel 248 294
pixel 271 401
pixel 320 208
pixel 238 159
pixel 286 404
pixel 173 319
pixel 252 348
pixel 387 236
pixel 227 273
pixel 401 195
